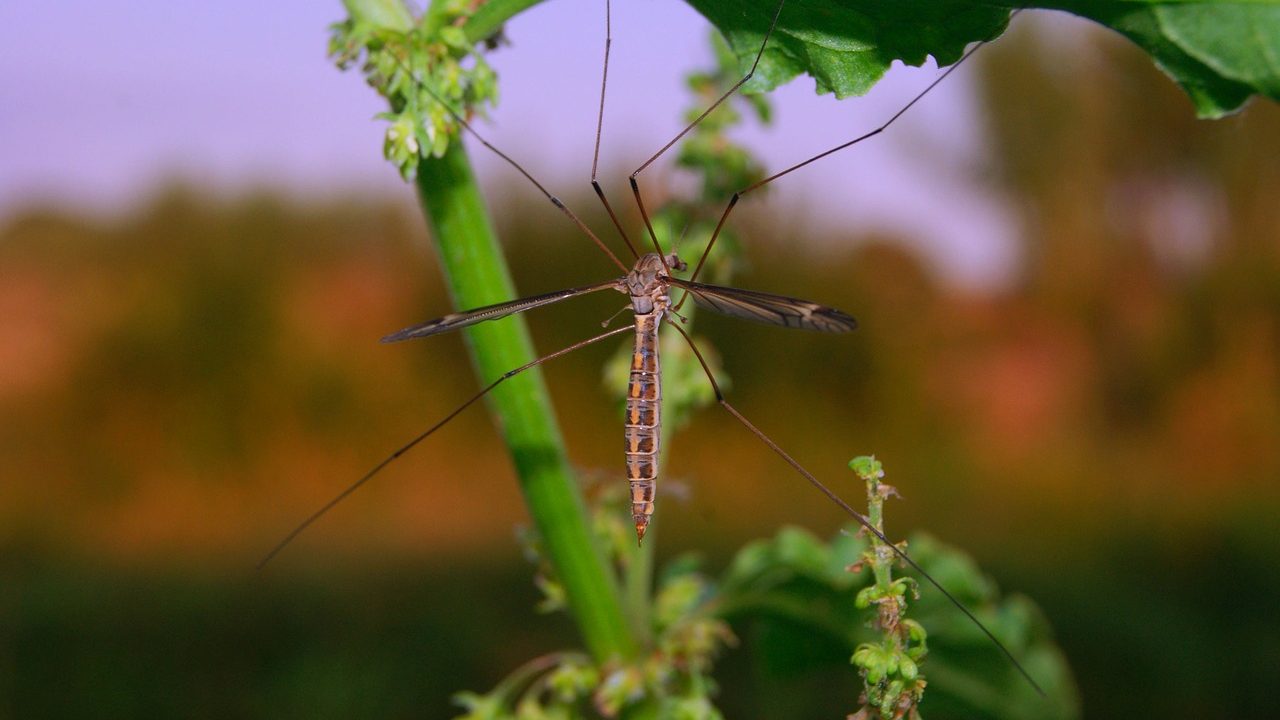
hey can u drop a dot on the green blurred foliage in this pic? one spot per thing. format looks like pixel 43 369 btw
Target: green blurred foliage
pixel 178 384
pixel 797 601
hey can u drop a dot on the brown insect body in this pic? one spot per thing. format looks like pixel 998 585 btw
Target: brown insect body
pixel 650 300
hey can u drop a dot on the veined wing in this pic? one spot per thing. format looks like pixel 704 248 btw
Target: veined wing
pixel 767 308
pixel 453 321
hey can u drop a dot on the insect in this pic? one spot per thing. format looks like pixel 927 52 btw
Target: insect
pixel 649 283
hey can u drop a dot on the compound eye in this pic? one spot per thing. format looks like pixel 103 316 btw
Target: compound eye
pixel 676 263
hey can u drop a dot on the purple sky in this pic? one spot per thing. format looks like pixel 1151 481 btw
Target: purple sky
pixel 101 103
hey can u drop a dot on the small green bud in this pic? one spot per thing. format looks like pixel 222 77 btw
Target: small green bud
pixel 862 655
pixel 480 707
pixel 898 587
pixel 892 661
pixel 867 467
pixel 915 631
pixel 572 681
pixel 454 36
pixel 554 596
pixel 400 145
pixel 875 660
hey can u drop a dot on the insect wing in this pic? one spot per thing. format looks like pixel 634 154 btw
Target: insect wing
pixel 766 308
pixel 453 321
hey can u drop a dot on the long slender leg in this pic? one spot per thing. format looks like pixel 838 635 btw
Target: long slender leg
pixel 635 183
pixel 859 517
pixel 457 117
pixel 595 158
pixel 635 190
pixel 423 436
pixel 733 201
pixel 750 73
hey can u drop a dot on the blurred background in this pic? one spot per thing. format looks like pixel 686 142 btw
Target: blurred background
pixel 1069 358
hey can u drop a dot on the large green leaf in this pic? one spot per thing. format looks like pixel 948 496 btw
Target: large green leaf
pixel 846 46
pixel 1220 52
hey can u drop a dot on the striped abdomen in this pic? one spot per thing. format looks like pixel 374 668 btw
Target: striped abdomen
pixel 644 402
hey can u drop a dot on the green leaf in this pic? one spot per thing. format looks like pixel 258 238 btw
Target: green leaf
pixel 1220 52
pixel 802 551
pixel 847 46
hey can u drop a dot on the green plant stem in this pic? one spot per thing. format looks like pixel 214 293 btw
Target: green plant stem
pixel 477 275
pixel 881 569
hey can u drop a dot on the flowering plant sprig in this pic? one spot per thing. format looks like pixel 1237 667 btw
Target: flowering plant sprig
pixel 890 666
pixel 416 70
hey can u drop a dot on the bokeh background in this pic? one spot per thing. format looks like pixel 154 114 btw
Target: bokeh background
pixel 1069 358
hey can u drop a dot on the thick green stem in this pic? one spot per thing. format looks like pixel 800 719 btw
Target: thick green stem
pixel 477 275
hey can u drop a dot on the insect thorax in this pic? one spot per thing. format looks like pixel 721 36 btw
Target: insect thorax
pixel 646 283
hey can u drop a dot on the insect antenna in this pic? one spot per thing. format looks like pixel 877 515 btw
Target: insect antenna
pixel 848 509
pixel 313 517
pixel 457 117
pixel 595 158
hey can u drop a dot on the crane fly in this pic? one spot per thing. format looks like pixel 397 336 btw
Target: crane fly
pixel 648 283
pixel 648 286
